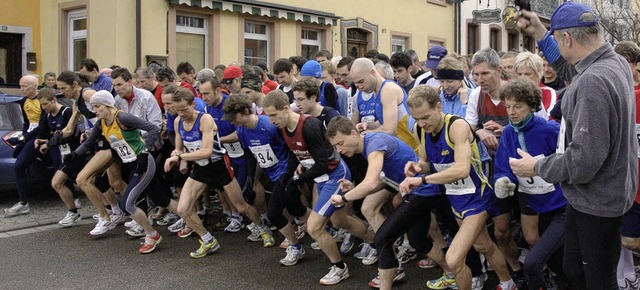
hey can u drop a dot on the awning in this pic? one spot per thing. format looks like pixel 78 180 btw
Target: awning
pixel 261 8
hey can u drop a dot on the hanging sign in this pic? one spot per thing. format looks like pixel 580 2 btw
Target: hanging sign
pixel 487 16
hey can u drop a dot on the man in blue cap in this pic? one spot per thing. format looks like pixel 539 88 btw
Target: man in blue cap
pixel 595 160
pixel 328 95
pixel 435 54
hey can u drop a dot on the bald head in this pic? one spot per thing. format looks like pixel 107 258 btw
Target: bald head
pixel 362 64
pixel 29 86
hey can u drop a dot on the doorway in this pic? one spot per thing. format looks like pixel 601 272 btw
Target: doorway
pixel 357 42
pixel 11 57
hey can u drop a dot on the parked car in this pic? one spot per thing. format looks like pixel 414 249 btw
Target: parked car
pixel 11 123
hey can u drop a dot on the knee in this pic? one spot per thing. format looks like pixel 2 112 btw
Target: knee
pixel 314 228
pixel 83 181
pixel 503 235
pixel 369 212
pixel 485 249
pixel 117 184
pixel 531 238
pixel 455 263
pixel 182 210
pixel 57 184
pixel 631 243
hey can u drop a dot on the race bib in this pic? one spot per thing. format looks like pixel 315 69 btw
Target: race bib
pixel 265 156
pixel 234 150
pixel 349 107
pixel 534 185
pixel 32 126
pixel 125 151
pixel 563 129
pixel 65 149
pixel 459 187
pixel 307 163
pixel 321 178
pixel 193 147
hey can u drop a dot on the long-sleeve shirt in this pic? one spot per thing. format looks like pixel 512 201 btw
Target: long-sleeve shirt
pixel 143 105
pixel 596 160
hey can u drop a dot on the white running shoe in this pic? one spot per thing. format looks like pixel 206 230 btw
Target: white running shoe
pixel 97 216
pixel 177 226
pixel 17 209
pixel 102 227
pixel 117 219
pixel 136 231
pixel 130 224
pixel 335 275
pixel 235 225
pixel 77 203
pixel 70 219
pixel 168 219
pixel 293 255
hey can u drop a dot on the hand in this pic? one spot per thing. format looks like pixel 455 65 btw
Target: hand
pixel 529 23
pixel 299 169
pixel 361 126
pixel 142 163
pixel 346 185
pixel 524 167
pixel 504 187
pixel 70 157
pixel 336 200
pixel 55 139
pixel 43 148
pixel 463 94
pixel 38 142
pixel 409 184
pixel 412 168
pixel 170 162
pixel 83 137
pixel 492 126
pixel 488 139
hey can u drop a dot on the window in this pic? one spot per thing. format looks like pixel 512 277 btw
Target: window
pixel 473 38
pixel 310 43
pixel 529 44
pixel 513 41
pixel 398 44
pixel 77 41
pixel 256 43
pixel 191 40
pixel 495 41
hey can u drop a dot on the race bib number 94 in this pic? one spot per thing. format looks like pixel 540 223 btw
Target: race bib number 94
pixel 264 155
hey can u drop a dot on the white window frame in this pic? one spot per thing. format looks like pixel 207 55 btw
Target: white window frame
pixel 311 42
pixel 196 30
pixel 258 36
pixel 74 34
pixel 398 41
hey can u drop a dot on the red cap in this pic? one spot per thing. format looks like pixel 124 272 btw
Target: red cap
pixel 232 72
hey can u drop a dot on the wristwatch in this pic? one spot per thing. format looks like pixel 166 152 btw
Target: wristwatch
pixel 424 179
pixel 179 157
pixel 344 199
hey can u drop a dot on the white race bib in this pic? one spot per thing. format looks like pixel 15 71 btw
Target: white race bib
pixel 459 187
pixel 534 185
pixel 307 163
pixel 65 149
pixel 193 147
pixel 265 156
pixel 321 178
pixel 563 129
pixel 125 151
pixel 349 107
pixel 234 150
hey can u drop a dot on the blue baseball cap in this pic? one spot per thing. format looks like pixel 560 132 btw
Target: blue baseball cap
pixel 568 15
pixel 434 56
pixel 311 68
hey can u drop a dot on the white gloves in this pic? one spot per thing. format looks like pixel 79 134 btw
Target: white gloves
pixel 504 188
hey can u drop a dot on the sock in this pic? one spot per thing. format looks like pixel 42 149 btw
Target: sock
pixel 74 210
pixel 340 264
pixel 506 284
pixel 207 238
pixel 155 233
pixel 450 275
pixel 236 216
pixel 202 212
pixel 227 212
pixel 116 209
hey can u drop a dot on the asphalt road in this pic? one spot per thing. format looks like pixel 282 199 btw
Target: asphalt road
pixel 71 259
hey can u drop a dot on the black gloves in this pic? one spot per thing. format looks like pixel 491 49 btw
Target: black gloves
pixel 55 140
pixel 142 162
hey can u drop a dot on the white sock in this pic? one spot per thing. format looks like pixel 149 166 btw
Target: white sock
pixel 116 209
pixel 236 216
pixel 506 284
pixel 207 237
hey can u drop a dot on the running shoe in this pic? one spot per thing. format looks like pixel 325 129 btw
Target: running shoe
pixel 168 219
pixel 102 227
pixel 347 243
pixel 267 238
pixel 427 263
pixel 375 282
pixel 130 224
pixel 512 287
pixel 255 233
pixel 205 248
pixel 185 232
pixel 444 282
pixel 371 258
pixel 17 209
pixel 405 254
pixel 150 242
pixel 77 203
pixel 70 219
pixel 136 231
pixel 364 251
pixel 315 246
pixel 117 219
pixel 634 284
pixel 477 283
pixel 234 226
pixel 97 216
pixel 177 226
pixel 335 275
pixel 293 255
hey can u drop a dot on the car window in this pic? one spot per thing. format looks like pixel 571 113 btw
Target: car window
pixel 9 116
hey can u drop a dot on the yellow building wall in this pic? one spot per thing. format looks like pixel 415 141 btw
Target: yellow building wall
pixel 154 28
pixel 50 36
pixel 229 38
pixel 25 13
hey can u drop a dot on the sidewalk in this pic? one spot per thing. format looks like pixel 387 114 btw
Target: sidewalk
pixel 44 211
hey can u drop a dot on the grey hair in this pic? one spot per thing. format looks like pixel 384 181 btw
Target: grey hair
pixel 145 72
pixel 584 36
pixel 412 53
pixel 488 55
pixel 386 68
pixel 205 73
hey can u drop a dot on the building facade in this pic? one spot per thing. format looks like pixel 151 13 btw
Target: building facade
pixel 59 33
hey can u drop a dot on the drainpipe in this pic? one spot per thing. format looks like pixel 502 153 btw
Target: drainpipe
pixel 138 33
pixel 458 38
